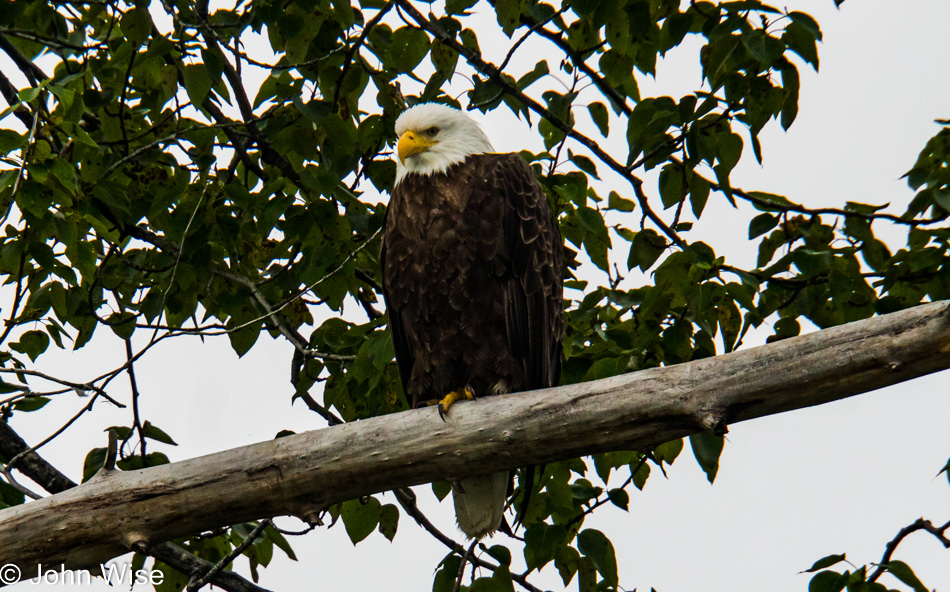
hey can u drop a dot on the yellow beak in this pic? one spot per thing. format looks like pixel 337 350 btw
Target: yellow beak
pixel 411 143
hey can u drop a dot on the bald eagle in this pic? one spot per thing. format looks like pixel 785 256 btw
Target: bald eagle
pixel 471 268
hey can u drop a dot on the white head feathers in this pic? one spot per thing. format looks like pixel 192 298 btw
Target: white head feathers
pixel 433 137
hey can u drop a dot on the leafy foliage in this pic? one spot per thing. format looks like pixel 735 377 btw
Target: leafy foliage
pixel 149 191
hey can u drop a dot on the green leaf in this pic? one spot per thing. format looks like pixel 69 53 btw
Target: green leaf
pixel 28 94
pixel 508 13
pixel 828 581
pixel 501 554
pixel 586 575
pixel 566 560
pixel 640 474
pixel 32 343
pixel 541 542
pixel 707 447
pixel 904 573
pixel 10 495
pixel 541 69
pixel 280 542
pixel 942 198
pixel 645 249
pixel 771 198
pixel 668 451
pixel 137 24
pixel 945 469
pixel 583 163
pixel 459 6
pixel 584 490
pixel 388 520
pixel 620 498
pixel 95 460
pixel 791 84
pixel 763 47
pixel 800 40
pixel 441 489
pixel 825 562
pixel 444 58
pixel 698 194
pixel 174 580
pixel 154 433
pixel 806 21
pixel 122 324
pixel 598 548
pixel 728 150
pixel 197 82
pixel 598 112
pixel 407 48
pixel 243 338
pixel 360 517
pixel 762 224
pixel 672 185
pixel 615 202
pixel 31 403
pixel 445 577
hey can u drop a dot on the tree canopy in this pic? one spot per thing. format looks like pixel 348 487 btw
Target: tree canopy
pixel 183 171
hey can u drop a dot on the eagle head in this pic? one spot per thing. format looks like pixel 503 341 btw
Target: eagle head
pixel 433 137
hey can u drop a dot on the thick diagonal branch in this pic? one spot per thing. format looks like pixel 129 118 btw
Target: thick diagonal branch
pixel 304 473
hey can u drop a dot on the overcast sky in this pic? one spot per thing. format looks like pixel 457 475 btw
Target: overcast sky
pixel 842 477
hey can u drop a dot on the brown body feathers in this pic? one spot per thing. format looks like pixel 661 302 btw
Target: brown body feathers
pixel 471 264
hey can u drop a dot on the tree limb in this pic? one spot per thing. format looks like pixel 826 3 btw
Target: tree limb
pixel 304 473
pixel 49 478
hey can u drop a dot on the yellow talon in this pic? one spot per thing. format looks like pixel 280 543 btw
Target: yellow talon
pixel 464 394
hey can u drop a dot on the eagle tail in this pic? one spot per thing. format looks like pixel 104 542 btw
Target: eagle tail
pixel 480 503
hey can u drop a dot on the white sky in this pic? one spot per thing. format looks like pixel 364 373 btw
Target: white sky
pixel 843 477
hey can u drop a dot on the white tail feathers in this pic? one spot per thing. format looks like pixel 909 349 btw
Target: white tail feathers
pixel 480 503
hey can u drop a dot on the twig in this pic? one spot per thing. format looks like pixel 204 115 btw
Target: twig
pixel 183 561
pixel 175 136
pixel 407 500
pixel 36 447
pixel 76 386
pixel 32 464
pixel 197 584
pixel 469 553
pixel 17 295
pixel 578 60
pixel 133 384
pixel 29 140
pixel 16 485
pixel 793 207
pixel 533 29
pixel 348 57
pixel 111 451
pixel 940 532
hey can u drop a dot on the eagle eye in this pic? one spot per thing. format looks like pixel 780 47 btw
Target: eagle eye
pixel 432 131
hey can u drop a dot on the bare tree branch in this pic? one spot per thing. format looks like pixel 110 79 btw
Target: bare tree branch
pixel 49 478
pixel 939 532
pixel 304 473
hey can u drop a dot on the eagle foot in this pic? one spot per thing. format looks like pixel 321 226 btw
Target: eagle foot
pixel 466 393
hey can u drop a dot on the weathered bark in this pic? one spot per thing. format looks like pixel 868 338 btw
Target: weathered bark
pixel 47 476
pixel 302 474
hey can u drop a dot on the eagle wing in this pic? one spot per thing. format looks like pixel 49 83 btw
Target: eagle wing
pixel 533 290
